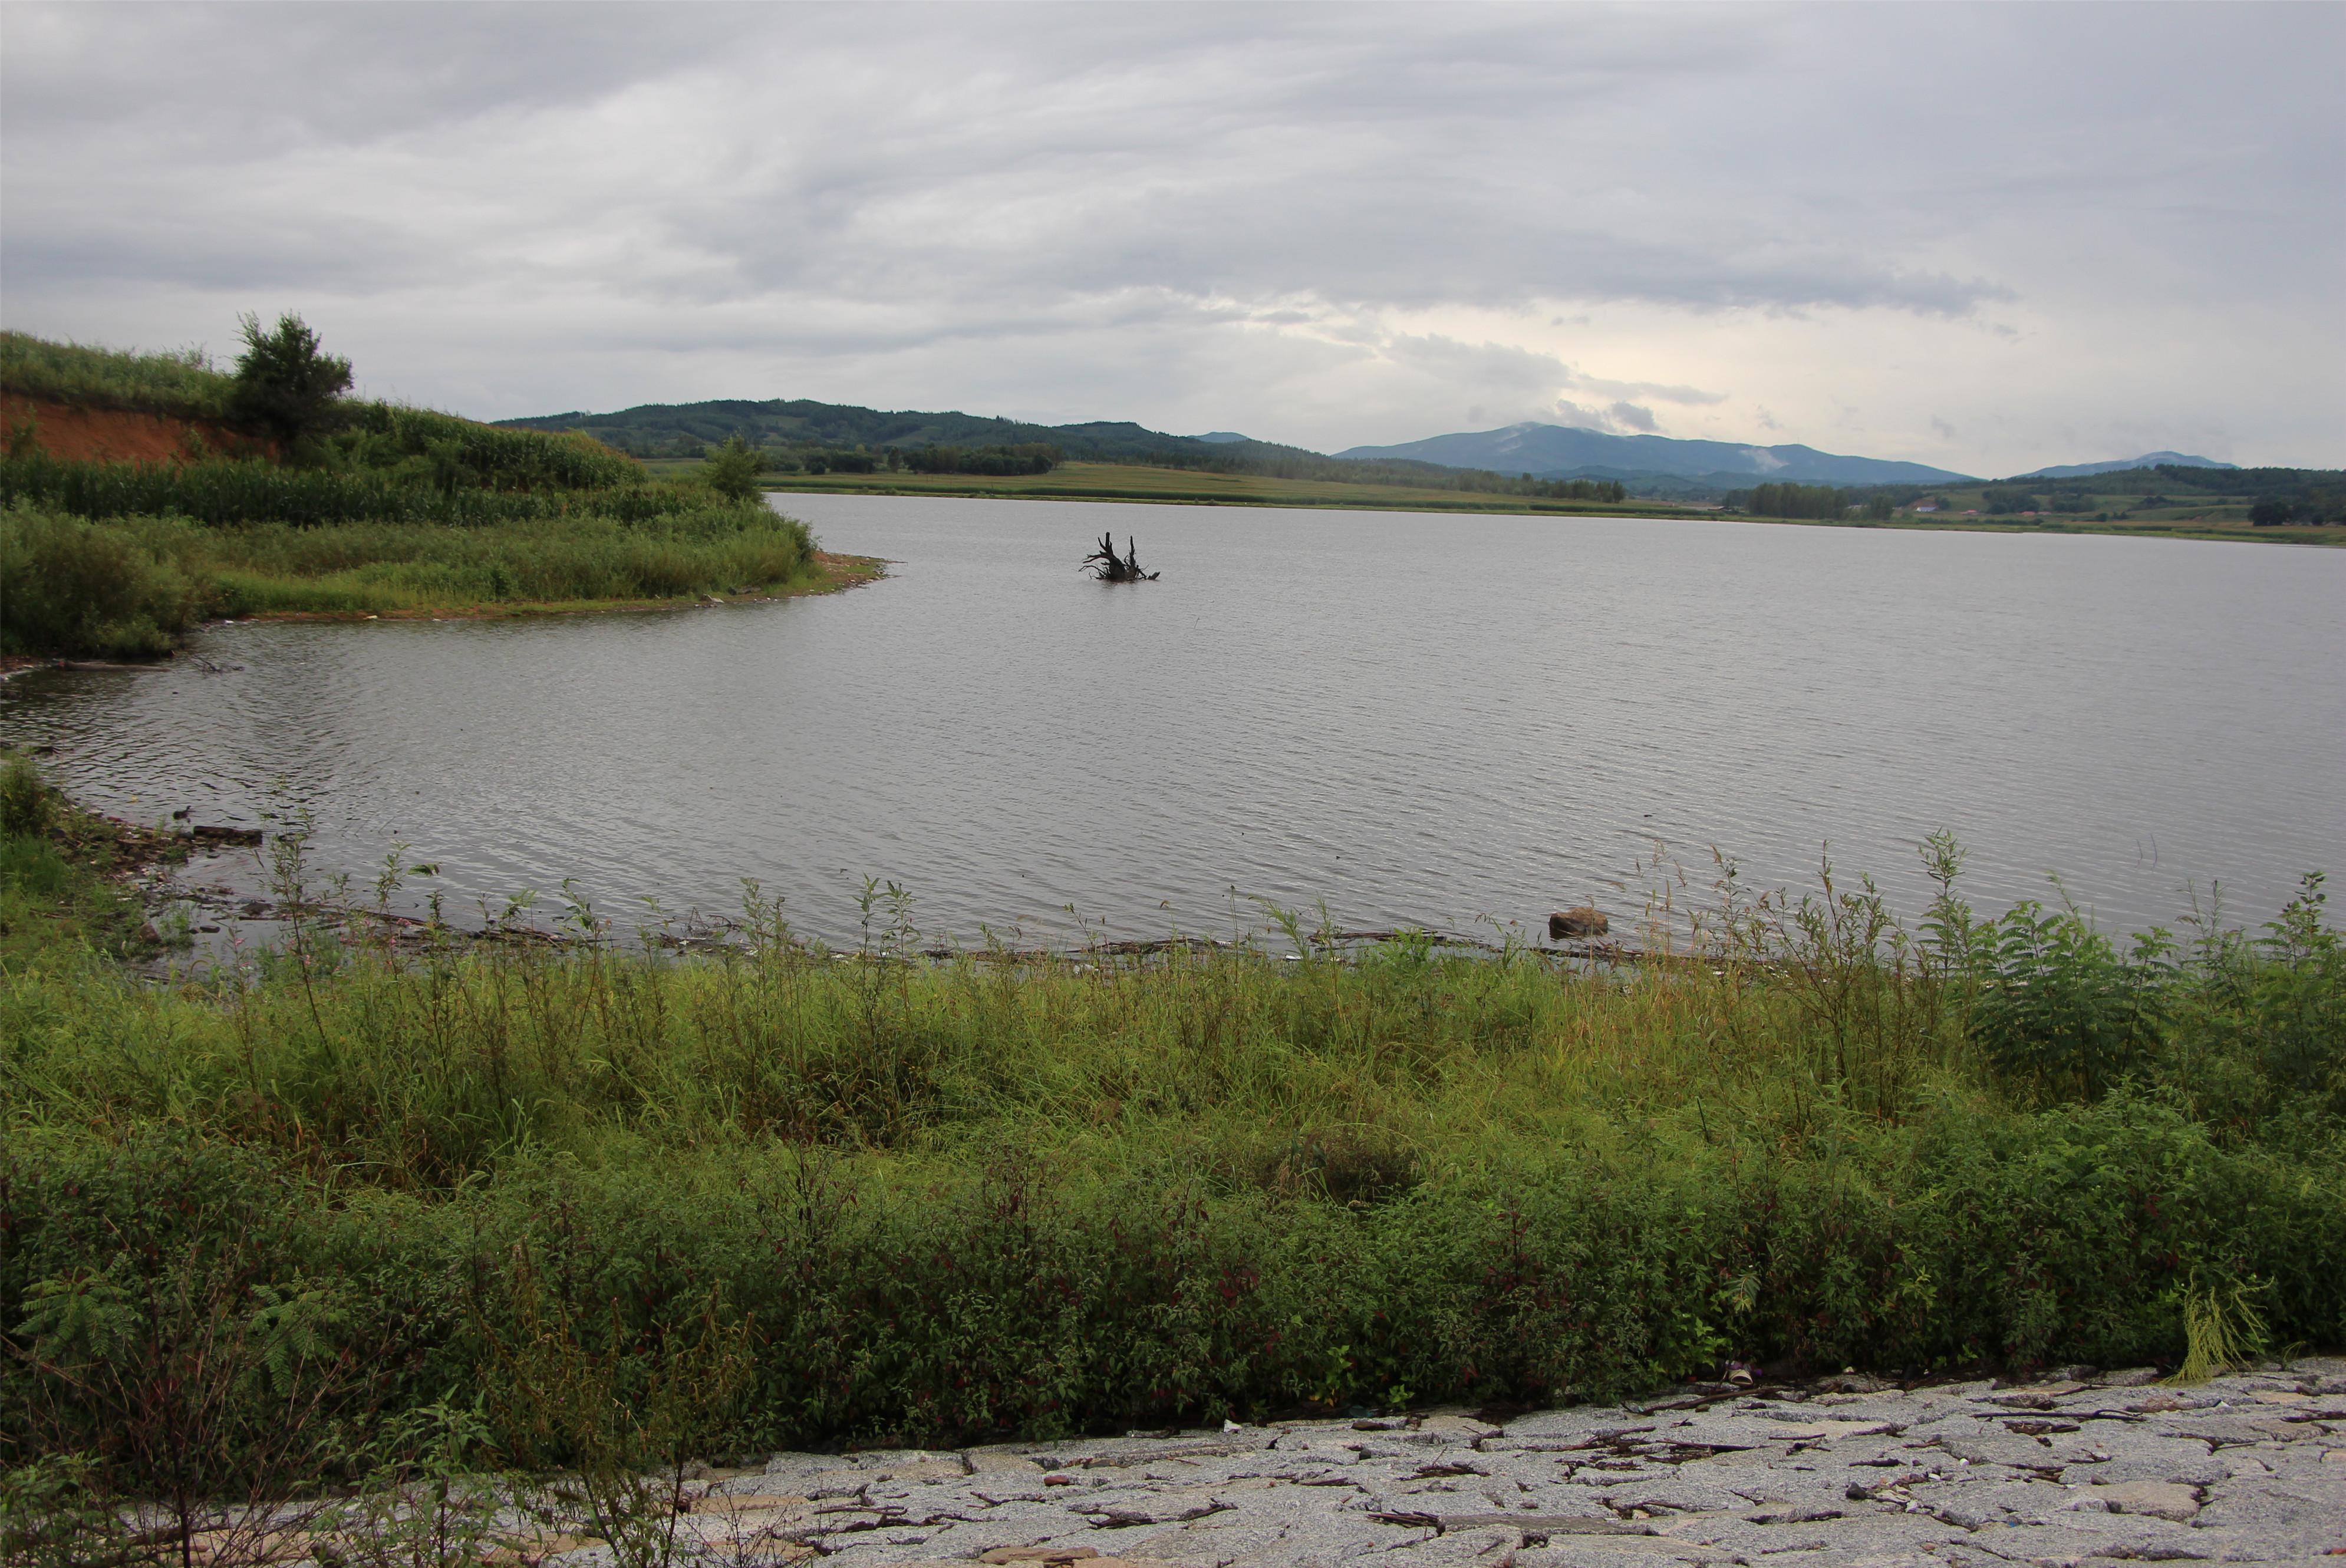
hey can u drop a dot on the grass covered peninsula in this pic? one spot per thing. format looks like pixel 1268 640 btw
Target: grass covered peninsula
pixel 141 493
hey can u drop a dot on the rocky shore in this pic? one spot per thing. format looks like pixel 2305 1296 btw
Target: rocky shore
pixel 1849 1473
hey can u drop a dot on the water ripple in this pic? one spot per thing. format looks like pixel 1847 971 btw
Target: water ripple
pixel 1417 719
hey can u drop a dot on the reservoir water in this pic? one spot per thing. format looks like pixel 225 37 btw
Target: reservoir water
pixel 1418 719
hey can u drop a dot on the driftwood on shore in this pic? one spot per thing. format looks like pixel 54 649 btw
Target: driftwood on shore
pixel 1110 567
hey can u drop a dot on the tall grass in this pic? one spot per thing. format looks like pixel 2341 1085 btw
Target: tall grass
pixel 916 1203
pixel 122 587
pixel 930 1201
pixel 173 381
pixel 225 492
pixel 424 447
pixel 71 586
pixel 461 452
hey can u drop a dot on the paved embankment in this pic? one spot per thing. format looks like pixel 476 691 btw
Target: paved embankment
pixel 2249 1469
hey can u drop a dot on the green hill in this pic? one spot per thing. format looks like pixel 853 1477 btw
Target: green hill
pixel 664 429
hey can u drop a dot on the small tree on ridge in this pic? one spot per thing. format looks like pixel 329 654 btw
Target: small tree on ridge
pixel 285 383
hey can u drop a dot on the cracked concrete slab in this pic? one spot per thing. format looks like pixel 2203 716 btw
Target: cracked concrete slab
pixel 2075 1472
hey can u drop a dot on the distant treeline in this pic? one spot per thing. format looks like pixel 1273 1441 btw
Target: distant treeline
pixel 1025 457
pixel 2275 495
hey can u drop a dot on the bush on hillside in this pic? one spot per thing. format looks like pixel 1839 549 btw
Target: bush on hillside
pixel 285 384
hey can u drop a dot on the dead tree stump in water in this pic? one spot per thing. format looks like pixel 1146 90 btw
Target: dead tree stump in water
pixel 1110 567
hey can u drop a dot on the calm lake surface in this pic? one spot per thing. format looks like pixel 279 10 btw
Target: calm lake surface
pixel 1417 719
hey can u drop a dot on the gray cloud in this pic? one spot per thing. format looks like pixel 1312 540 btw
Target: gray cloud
pixel 1328 224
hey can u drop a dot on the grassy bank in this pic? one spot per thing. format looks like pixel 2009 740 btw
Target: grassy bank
pixel 370 509
pixel 868 1199
pixel 1189 487
pixel 179 382
pixel 124 587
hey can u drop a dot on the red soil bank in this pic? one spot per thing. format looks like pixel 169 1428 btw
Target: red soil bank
pixel 116 436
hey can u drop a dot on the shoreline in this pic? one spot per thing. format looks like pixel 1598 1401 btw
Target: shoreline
pixel 1633 511
pixel 837 573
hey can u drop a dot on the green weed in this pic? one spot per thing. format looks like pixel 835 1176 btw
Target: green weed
pixel 1005 1193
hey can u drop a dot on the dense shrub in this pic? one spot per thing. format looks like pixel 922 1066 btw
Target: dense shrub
pixel 287 386
pixel 73 586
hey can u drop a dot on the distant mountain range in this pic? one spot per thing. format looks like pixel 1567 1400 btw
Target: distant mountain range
pixel 1544 451
pixel 1547 450
pixel 2147 460
pixel 656 428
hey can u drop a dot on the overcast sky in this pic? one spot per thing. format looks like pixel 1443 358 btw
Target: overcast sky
pixel 1987 237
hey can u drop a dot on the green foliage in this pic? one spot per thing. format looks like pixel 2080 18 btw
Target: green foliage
pixel 733 470
pixel 1025 457
pixel 438 484
pixel 55 1513
pixel 55 899
pixel 2223 1332
pixel 998 1194
pixel 2061 1009
pixel 178 382
pixel 429 1502
pixel 106 589
pixel 286 383
pixel 121 588
pixel 1789 500
pixel 622 1419
pixel 197 1369
pixel 462 453
pixel 2263 1037
pixel 28 806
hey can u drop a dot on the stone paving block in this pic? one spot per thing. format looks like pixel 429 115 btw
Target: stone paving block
pixel 2163 1499
pixel 1752 1542
pixel 795 1466
pixel 2074 1543
pixel 1633 1552
pixel 2302 1514
pixel 1494 1545
pixel 1205 1544
pixel 1678 1493
pixel 1458 1430
pixel 2131 1378
pixel 2222 1428
pixel 1898 1536
pixel 1985 1444
pixel 2180 1470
